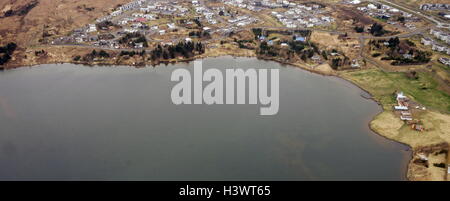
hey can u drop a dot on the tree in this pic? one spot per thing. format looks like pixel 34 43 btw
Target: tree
pixel 199 24
pixel 394 42
pixel 7 51
pixel 335 63
pixel 303 57
pixel 359 29
pixel 165 55
pixel 103 54
pixel 257 32
pixel 377 29
pixel 324 55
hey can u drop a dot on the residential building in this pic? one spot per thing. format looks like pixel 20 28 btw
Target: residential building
pixel 427 41
pixel 92 28
pixel 445 61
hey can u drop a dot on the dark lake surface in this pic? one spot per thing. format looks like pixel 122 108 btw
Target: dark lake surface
pixel 73 122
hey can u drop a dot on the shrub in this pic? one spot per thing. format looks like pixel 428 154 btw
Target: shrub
pixel 376 54
pixel 359 29
pixel 440 165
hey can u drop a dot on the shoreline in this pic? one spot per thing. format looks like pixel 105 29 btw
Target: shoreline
pixel 411 150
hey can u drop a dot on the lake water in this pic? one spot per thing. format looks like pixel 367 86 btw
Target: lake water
pixel 73 122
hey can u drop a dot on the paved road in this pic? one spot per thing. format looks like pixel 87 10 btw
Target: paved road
pixel 362 39
pixel 430 18
pixel 403 35
pixel 311 29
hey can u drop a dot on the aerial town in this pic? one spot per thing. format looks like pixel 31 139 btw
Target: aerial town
pixel 397 50
pixel 168 22
pixel 141 24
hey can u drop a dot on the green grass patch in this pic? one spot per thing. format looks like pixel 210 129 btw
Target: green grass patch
pixel 382 85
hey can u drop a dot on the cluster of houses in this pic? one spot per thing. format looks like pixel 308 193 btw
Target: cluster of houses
pixel 403 107
pixel 81 35
pixel 301 16
pixel 132 17
pixel 257 5
pixel 382 11
pixel 207 13
pixel 271 42
pixel 135 22
pixel 121 9
pixel 297 11
pixel 144 11
pixel 242 20
pixel 165 8
pixel 385 12
pixel 91 28
pixel 402 102
pixel 441 35
pixel 435 6
pixel 444 36
pixel 211 15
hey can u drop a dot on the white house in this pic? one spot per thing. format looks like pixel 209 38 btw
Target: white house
pixel 445 61
pixel 439 48
pixel 394 10
pixel 171 26
pixel 145 10
pixel 445 37
pixel 123 22
pixel 406 118
pixel 92 28
pixel 138 45
pixel 371 6
pixel 131 30
pixel 427 41
pixel 401 96
pixel 138 14
pixel 116 13
pixel 401 107
pixel 79 39
pixel 149 17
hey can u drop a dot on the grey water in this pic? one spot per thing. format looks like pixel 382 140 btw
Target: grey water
pixel 74 122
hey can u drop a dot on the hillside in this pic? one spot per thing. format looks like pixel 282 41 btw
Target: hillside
pixel 26 22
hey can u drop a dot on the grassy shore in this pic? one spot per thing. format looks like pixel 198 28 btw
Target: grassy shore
pixel 382 85
pixel 423 90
